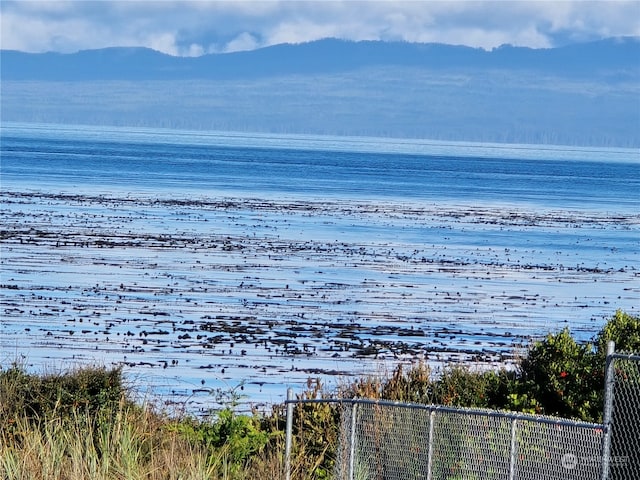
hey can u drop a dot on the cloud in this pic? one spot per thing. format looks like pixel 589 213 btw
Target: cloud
pixel 244 41
pixel 196 27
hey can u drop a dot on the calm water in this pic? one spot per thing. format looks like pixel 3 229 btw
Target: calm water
pixel 205 261
pixel 294 166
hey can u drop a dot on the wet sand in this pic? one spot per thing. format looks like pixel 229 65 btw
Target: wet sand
pixel 201 295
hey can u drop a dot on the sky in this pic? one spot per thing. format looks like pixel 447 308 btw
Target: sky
pixel 193 28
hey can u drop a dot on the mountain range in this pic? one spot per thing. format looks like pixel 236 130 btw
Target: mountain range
pixel 610 56
pixel 580 94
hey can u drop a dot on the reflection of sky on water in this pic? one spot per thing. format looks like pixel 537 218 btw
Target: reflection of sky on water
pixel 152 162
pixel 331 284
pixel 166 256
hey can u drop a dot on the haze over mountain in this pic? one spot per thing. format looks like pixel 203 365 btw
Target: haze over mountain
pixel 582 94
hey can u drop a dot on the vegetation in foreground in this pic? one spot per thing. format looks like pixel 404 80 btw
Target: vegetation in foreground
pixel 83 425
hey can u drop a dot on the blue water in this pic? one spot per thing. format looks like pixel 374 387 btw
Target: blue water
pixel 207 259
pixel 550 177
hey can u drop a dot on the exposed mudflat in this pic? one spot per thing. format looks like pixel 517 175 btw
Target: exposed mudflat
pixel 196 295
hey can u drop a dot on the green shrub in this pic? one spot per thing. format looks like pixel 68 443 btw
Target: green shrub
pixel 560 375
pixel 564 378
pixel 624 330
pixel 236 438
pixel 91 389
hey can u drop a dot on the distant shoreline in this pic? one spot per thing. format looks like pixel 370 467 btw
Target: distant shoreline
pixel 320 142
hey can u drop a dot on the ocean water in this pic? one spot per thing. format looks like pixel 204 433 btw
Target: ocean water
pixel 207 262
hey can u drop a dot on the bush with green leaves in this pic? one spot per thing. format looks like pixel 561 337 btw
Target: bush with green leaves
pixel 92 388
pixel 562 377
pixel 237 436
pixel 624 330
pixel 94 393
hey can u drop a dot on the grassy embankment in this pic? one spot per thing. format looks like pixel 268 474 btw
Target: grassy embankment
pixel 83 425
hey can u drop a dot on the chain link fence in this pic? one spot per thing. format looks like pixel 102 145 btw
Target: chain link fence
pixel 413 442
pixel 622 417
pixel 381 440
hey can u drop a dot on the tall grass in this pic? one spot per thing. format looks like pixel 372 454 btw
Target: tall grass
pixel 50 429
pixel 59 433
pixel 129 448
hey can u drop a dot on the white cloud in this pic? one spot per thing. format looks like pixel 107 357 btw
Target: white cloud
pixel 163 42
pixel 196 27
pixel 244 41
pixel 194 51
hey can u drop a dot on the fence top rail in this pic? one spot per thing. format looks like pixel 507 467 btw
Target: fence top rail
pixel 626 356
pixel 459 410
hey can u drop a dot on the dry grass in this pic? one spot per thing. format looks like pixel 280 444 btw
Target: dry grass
pixel 73 426
pixel 134 445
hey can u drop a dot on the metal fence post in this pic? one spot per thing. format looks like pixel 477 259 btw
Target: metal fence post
pixel 352 442
pixel 513 450
pixel 609 384
pixel 289 434
pixel 430 446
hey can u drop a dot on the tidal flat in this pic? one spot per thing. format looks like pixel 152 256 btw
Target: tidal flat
pixel 196 296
